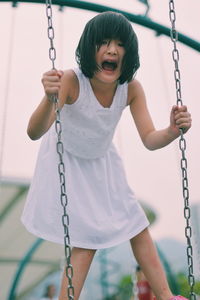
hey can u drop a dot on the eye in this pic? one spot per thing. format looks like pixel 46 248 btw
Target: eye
pixel 104 42
pixel 120 44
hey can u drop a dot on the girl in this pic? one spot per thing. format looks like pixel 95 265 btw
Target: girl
pixel 102 208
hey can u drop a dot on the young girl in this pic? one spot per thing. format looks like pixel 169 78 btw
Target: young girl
pixel 102 208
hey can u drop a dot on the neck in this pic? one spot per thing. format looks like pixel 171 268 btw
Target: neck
pixel 104 92
pixel 100 86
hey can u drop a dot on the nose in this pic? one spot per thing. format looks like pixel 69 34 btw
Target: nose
pixel 111 49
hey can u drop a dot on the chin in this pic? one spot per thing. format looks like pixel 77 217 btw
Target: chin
pixel 108 77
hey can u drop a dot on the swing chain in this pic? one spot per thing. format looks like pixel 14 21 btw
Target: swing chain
pixel 61 165
pixel 182 146
pixel 50 32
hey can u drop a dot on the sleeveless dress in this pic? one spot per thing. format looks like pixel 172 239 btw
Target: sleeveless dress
pixel 103 210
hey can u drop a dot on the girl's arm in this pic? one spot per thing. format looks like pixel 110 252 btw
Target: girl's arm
pixel 63 84
pixel 154 139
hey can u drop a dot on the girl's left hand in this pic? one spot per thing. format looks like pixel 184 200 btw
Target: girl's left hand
pixel 180 118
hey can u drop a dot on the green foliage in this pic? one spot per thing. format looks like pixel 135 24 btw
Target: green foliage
pixel 125 287
pixel 197 288
pixel 182 280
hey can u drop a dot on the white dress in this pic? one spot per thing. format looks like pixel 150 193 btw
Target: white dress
pixel 103 210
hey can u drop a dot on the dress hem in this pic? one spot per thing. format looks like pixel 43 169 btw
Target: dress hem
pixel 49 238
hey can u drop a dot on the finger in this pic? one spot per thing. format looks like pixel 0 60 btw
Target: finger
pixel 51 79
pixel 53 83
pixel 182 108
pixel 53 73
pixel 60 73
pixel 50 85
pixel 182 116
pixel 183 121
pixel 52 91
pixel 178 109
pixel 48 80
pixel 174 110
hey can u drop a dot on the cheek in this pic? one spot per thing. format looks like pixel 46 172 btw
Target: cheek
pixel 123 52
pixel 123 57
pixel 97 57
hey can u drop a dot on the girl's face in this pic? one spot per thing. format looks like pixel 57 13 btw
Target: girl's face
pixel 109 57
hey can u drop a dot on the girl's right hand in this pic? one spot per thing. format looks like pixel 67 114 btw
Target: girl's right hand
pixel 51 81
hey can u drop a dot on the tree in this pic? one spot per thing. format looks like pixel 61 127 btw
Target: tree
pixel 184 285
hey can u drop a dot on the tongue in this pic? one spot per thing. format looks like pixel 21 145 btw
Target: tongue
pixel 108 66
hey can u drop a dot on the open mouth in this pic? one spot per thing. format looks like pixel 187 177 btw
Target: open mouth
pixel 109 65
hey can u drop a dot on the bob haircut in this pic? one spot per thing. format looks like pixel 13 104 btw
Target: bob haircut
pixel 108 25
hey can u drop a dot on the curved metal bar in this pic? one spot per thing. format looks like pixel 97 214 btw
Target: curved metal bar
pixel 12 202
pixel 137 19
pixel 21 267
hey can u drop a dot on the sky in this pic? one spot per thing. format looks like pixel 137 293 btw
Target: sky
pixel 154 175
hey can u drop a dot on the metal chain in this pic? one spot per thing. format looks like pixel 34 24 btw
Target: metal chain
pixel 61 166
pixel 182 146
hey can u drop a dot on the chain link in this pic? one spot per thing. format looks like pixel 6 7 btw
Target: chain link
pixel 61 165
pixel 182 146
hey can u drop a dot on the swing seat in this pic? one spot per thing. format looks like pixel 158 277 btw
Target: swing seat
pixel 179 297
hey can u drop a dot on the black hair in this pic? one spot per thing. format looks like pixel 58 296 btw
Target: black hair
pixel 108 25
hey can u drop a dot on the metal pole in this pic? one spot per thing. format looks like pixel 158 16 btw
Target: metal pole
pixel 22 265
pixel 137 19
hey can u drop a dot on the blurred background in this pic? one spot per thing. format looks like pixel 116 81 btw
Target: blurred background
pixel 29 265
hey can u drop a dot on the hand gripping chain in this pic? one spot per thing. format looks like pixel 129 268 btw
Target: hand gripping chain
pixel 61 166
pixel 182 146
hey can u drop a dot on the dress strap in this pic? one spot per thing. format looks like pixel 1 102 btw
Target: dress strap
pixel 122 95
pixel 82 99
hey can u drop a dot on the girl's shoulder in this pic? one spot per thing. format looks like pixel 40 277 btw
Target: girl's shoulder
pixel 70 86
pixel 135 90
pixel 70 74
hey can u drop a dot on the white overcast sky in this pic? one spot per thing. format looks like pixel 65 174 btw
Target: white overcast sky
pixel 154 176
